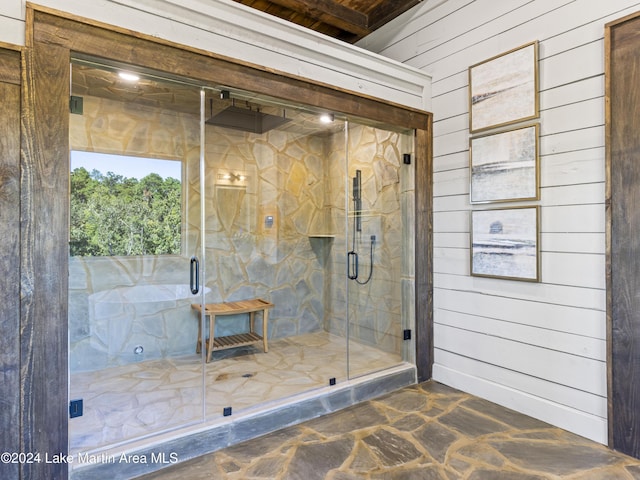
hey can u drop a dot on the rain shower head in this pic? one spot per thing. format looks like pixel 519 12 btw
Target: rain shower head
pixel 247 120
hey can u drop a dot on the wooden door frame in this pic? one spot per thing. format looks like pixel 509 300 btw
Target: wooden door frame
pixel 622 413
pixel 52 38
pixel 10 87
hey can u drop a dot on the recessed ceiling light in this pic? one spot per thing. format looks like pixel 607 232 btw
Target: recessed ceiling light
pixel 129 77
pixel 326 118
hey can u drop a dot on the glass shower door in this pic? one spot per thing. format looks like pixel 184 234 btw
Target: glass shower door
pixel 135 265
pixel 379 248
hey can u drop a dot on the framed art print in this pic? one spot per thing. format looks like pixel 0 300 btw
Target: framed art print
pixel 504 243
pixel 504 89
pixel 504 166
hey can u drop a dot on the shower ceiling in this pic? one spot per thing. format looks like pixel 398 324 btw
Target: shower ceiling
pixel 237 110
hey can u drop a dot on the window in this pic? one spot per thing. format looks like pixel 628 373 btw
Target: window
pixel 124 205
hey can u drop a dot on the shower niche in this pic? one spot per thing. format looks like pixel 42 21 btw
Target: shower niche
pixel 269 202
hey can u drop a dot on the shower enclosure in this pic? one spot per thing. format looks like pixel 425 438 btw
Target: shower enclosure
pixel 185 194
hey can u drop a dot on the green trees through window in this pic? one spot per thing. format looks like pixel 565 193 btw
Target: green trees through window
pixel 112 214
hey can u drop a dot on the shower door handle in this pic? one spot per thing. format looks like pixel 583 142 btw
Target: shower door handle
pixel 352 265
pixel 194 275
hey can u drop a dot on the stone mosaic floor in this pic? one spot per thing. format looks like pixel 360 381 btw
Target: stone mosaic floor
pixel 123 403
pixel 422 432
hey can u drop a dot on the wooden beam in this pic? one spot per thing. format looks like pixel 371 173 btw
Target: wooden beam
pixel 44 257
pixel 330 12
pixel 424 252
pixel 8 61
pixel 10 259
pixel 622 222
pixel 387 11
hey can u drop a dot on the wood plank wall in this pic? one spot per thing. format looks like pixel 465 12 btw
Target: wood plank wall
pixel 622 62
pixel 537 348
pixel 10 258
pixel 44 174
pixel 12 22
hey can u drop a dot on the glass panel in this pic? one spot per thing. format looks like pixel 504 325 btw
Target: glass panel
pixel 135 224
pixel 379 247
pixel 269 236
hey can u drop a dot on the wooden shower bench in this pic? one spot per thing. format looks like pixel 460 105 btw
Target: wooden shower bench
pixel 213 310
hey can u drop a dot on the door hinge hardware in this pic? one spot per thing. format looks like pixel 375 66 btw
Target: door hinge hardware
pixel 76 105
pixel 75 408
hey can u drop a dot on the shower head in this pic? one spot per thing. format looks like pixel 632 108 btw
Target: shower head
pixel 247 120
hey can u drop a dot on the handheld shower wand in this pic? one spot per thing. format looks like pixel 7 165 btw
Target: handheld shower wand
pixel 352 256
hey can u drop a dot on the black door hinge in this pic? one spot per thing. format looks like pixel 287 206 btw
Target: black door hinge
pixel 75 408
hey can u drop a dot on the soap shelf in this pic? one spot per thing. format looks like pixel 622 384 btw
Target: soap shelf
pixel 321 236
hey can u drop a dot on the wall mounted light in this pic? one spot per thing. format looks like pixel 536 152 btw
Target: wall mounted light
pixel 230 178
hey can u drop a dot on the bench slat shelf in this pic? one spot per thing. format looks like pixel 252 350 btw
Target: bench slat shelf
pixel 212 310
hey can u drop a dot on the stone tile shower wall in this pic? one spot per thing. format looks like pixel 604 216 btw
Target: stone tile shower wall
pixel 381 309
pixel 257 232
pixel 262 236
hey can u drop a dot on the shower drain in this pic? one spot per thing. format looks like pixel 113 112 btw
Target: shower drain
pixel 226 376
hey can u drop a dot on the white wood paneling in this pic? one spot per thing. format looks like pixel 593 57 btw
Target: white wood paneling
pixel 12 30
pixel 564 396
pixel 12 9
pixel 588 303
pixel 556 366
pixel 535 347
pixel 536 310
pixel 233 30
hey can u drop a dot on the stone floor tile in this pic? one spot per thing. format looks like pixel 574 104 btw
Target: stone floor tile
pixel 409 423
pixel 466 438
pixel 554 457
pixel 436 439
pixel 363 460
pixel 264 445
pixel 348 420
pixel 504 415
pixel 313 461
pixel 391 449
pixel 503 475
pixel 471 423
pixel 405 401
pixel 429 472
pixel 482 454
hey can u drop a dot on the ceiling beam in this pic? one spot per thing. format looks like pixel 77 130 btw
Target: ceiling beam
pixel 387 11
pixel 331 13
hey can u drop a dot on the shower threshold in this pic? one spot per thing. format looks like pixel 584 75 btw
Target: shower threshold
pixel 257 408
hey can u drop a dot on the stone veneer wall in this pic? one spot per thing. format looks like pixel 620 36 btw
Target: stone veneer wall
pixel 297 180
pixel 381 309
pixel 246 255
